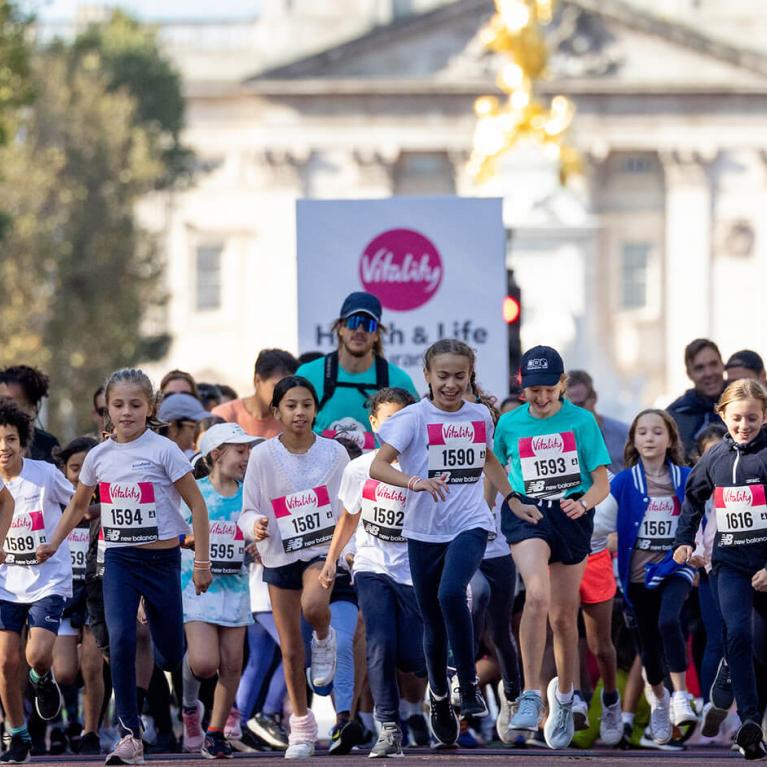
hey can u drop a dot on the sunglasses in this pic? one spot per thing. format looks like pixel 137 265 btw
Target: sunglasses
pixel 368 324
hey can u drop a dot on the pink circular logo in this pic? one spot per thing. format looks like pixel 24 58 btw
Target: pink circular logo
pixel 402 268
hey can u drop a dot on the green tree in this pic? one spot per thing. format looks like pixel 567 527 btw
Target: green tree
pixel 80 273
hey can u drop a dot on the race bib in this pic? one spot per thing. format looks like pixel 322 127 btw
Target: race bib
pixel 658 528
pixel 26 533
pixel 741 515
pixel 227 548
pixel 101 550
pixel 78 540
pixel 383 511
pixel 550 464
pixel 457 451
pixel 128 512
pixel 304 519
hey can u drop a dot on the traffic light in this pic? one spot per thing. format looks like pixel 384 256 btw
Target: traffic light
pixel 512 314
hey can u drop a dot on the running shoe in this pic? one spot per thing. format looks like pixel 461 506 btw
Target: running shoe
pixel 344 736
pixel 418 730
pixel 528 714
pixel 580 713
pixel 389 743
pixel 504 714
pixel 74 733
pixel 19 751
pixel 193 736
pixel 473 703
pixel 721 694
pixel 661 728
pixel 749 740
pixel 90 744
pixel 300 751
pixel 233 726
pixel 682 712
pixel 270 730
pixel 57 741
pixel 559 728
pixel 647 741
pixel 128 750
pixel 216 746
pixel 611 723
pixel 323 658
pixel 47 695
pixel 442 720
pixel 455 691
pixel 712 720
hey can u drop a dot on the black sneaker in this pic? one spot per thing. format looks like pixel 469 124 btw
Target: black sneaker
pixel 74 736
pixel 344 736
pixel 418 730
pixel 269 729
pixel 90 744
pixel 216 746
pixel 473 703
pixel 721 694
pixel 57 742
pixel 249 743
pixel 19 751
pixel 47 696
pixel 442 720
pixel 749 741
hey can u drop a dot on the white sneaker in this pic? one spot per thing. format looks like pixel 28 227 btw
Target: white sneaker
pixel 660 722
pixel 580 713
pixel 128 750
pixel 611 723
pixel 323 660
pixel 300 751
pixel 559 728
pixel 682 712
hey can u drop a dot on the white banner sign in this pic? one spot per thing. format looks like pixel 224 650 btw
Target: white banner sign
pixel 437 264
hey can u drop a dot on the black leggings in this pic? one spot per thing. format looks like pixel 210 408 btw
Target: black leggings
pixel 657 614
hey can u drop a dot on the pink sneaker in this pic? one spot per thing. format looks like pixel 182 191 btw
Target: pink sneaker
pixel 193 735
pixel 233 726
pixel 129 750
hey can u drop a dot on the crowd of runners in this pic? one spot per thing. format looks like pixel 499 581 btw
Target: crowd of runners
pixel 448 566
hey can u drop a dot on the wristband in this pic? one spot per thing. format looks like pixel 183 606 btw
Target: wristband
pixel 511 496
pixel 583 503
pixel 412 482
pixel 202 561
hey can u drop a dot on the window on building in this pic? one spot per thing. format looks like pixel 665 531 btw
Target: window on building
pixel 424 173
pixel 635 260
pixel 208 277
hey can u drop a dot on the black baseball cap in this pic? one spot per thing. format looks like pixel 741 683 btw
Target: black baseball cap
pixel 361 303
pixel 747 359
pixel 541 366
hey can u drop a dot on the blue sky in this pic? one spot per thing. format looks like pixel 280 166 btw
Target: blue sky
pixel 152 9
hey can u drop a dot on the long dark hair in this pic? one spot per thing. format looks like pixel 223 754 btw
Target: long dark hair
pixel 675 450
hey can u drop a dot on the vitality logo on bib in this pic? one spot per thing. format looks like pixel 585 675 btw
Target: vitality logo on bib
pixel 550 464
pixel 741 515
pixel 383 510
pixel 304 519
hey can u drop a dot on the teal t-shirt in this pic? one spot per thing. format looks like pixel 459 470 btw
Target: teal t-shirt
pixel 550 457
pixel 345 412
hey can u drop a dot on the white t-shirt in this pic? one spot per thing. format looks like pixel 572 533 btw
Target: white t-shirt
pixel 380 545
pixel 260 602
pixel 431 442
pixel 298 494
pixel 39 493
pixel 139 502
pixel 497 546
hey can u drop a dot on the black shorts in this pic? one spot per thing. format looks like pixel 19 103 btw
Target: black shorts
pixel 290 576
pixel 568 539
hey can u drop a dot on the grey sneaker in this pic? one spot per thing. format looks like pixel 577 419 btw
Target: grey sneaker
pixel 129 750
pixel 528 714
pixel 389 743
pixel 712 720
pixel 661 728
pixel 559 728
pixel 611 723
pixel 580 713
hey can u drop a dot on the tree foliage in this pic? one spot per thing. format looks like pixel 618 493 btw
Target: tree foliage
pixel 78 271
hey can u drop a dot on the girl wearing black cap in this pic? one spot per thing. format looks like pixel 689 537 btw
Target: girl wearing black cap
pixel 557 463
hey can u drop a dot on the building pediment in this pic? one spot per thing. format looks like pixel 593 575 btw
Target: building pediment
pixel 594 44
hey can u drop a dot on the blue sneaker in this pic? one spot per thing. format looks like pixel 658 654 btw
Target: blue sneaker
pixel 560 727
pixel 528 713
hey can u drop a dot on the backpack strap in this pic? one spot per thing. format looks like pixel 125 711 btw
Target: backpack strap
pixel 330 379
pixel 331 382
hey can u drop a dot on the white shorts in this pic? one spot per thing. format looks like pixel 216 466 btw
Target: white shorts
pixel 67 630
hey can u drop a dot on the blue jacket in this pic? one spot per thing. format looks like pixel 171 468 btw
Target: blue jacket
pixel 624 509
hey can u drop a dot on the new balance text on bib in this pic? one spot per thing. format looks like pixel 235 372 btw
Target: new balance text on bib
pixel 550 464
pixel 383 510
pixel 227 548
pixel 741 515
pixel 304 519
pixel 128 512
pixel 457 450
pixel 26 533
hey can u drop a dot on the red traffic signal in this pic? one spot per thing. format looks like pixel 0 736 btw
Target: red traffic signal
pixel 511 309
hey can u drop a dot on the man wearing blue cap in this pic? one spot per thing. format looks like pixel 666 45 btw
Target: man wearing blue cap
pixel 347 377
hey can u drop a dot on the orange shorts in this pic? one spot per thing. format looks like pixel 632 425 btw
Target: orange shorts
pixel 598 584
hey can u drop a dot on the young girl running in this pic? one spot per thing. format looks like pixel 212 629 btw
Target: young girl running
pixel 382 576
pixel 215 622
pixel 290 508
pixel 734 472
pixel 443 445
pixel 643 508
pixel 558 469
pixel 142 478
pixel 31 594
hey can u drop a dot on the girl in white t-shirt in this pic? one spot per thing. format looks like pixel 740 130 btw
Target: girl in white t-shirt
pixel 142 478
pixel 290 507
pixel 393 632
pixel 444 445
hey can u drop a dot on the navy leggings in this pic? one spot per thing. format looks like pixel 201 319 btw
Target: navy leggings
pixel 131 573
pixel 737 600
pixel 658 619
pixel 441 572
pixel 712 621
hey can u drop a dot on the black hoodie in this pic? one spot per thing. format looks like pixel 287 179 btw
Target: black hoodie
pixel 692 412
pixel 736 476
